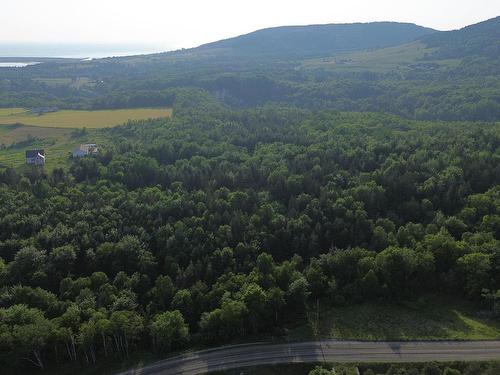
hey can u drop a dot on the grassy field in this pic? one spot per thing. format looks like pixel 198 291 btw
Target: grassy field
pixel 10 134
pixel 77 83
pixel 56 132
pixel 381 60
pixel 432 318
pixel 80 119
pixel 57 143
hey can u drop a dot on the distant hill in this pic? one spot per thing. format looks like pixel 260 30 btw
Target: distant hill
pixel 481 39
pixel 318 40
pixel 471 51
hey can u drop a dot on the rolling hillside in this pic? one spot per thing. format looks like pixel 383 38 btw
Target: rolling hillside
pixel 481 39
pixel 473 50
pixel 398 68
pixel 318 40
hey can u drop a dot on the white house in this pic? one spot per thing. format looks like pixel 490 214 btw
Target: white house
pixel 85 149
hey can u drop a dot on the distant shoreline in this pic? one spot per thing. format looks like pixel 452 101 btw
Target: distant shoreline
pixel 17 64
pixel 74 51
pixel 88 56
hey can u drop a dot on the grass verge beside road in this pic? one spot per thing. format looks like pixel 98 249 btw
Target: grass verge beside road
pixel 429 318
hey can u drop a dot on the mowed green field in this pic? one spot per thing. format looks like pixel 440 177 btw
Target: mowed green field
pixel 57 143
pixel 10 134
pixel 80 119
pixel 379 60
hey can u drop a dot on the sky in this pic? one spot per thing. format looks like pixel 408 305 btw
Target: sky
pixel 167 25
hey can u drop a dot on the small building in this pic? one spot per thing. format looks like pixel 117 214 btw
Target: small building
pixel 35 157
pixel 85 149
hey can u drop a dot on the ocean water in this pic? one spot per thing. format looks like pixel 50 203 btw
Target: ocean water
pixel 74 51
pixel 15 64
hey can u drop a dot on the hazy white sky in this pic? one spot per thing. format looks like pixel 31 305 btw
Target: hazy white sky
pixel 187 23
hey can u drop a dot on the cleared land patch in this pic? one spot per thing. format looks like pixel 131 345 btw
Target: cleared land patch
pixel 57 143
pixel 80 119
pixel 433 318
pixel 57 132
pixel 76 83
pixel 382 60
pixel 10 134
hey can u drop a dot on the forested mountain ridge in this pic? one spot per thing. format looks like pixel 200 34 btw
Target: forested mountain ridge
pixel 317 40
pixel 482 39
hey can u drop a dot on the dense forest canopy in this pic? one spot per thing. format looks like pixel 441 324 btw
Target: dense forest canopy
pixel 220 223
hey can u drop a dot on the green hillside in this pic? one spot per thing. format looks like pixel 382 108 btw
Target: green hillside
pixel 482 39
pixel 318 40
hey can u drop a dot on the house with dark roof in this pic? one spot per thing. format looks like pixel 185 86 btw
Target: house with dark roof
pixel 35 157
